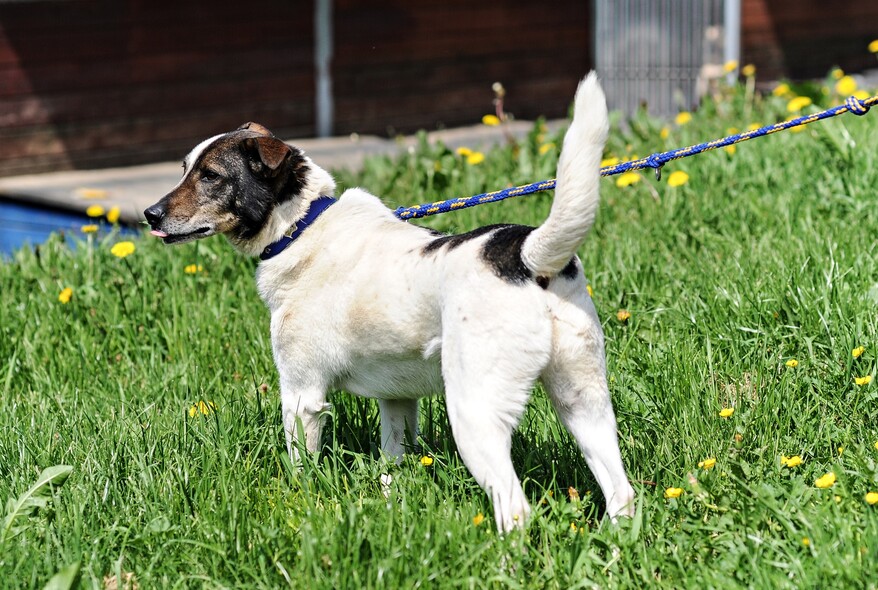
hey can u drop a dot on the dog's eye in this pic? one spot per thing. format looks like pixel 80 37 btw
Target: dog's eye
pixel 209 176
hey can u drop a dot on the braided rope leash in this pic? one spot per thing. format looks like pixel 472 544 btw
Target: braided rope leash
pixel 851 105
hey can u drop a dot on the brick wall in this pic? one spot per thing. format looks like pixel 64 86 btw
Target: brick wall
pixel 91 83
pixel 804 39
pixel 401 65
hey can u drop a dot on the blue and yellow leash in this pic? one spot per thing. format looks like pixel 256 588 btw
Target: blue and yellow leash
pixel 851 105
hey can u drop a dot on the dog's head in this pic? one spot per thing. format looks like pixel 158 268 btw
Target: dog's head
pixel 231 185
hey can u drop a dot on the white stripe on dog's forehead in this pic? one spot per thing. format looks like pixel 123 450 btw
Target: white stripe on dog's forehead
pixel 192 156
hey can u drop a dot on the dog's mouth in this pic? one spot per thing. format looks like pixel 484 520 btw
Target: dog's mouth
pixel 179 238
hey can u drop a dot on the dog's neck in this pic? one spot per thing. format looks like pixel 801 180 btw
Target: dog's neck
pixel 285 215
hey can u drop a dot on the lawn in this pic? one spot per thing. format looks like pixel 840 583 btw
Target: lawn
pixel 751 286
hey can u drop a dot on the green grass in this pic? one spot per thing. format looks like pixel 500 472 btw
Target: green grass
pixel 764 256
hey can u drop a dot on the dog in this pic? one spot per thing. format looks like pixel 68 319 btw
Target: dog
pixel 382 308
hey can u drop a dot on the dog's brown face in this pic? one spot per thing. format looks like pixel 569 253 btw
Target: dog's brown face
pixel 231 184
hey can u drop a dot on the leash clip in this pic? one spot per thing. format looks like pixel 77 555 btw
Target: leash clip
pixel 658 172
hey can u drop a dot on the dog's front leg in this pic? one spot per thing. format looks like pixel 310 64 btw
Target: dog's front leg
pixel 302 409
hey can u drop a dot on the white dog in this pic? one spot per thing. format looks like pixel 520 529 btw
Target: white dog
pixel 365 302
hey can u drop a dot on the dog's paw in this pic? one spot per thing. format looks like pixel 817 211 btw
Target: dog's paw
pixel 386 480
pixel 511 514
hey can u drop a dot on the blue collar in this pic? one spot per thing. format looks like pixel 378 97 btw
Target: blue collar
pixel 317 206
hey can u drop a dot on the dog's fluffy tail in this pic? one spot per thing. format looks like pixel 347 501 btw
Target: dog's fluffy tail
pixel 549 248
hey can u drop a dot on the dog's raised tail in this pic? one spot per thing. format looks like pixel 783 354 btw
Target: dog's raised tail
pixel 548 249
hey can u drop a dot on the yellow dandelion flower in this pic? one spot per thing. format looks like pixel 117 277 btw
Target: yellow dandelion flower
pixel 841 449
pixel 872 498
pixel 825 481
pixel 793 461
pixel 726 412
pixel 673 492
pixel 836 73
pixel 665 132
pixel 845 86
pixel 730 66
pixel 781 89
pixel 491 120
pixel 590 290
pixel 573 494
pixel 873 46
pixel 792 363
pixel 202 406
pixel 732 130
pixel 191 269
pixel 731 149
pixel 94 211
pixel 573 527
pixel 678 178
pixel 858 352
pixel 863 380
pixel 478 519
pixel 89 228
pixel 426 461
pixel 113 214
pixel 463 151
pixel 611 161
pixel 806 541
pixel 623 315
pixel 475 158
pixel 749 70
pixel 65 295
pixel 683 117
pixel 708 463
pixel 546 148
pixel 122 249
pixel 798 103
pixel 627 179
pixel 754 126
pixel 861 95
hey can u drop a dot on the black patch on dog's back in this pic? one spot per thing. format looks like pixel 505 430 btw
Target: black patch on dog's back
pixel 502 252
pixel 456 240
pixel 570 271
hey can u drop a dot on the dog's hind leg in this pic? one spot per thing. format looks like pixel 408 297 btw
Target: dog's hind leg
pixel 399 419
pixel 576 382
pixel 484 441
pixel 490 361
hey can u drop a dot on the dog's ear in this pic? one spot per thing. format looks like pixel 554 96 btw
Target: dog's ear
pixel 256 128
pixel 266 154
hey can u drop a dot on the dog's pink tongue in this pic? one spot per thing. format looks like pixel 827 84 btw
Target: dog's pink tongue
pixel 159 234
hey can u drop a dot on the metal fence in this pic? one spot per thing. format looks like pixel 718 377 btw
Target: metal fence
pixel 663 54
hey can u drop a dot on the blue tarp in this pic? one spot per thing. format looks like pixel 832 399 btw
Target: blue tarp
pixel 22 225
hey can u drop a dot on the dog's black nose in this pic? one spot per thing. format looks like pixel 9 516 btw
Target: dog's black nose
pixel 155 214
